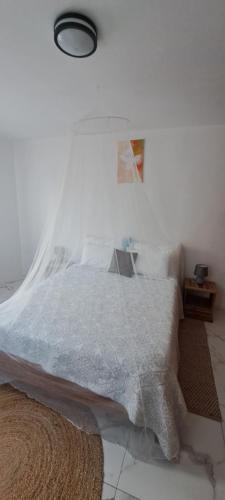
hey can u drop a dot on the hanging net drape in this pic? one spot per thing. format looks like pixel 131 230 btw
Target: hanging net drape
pixel 94 325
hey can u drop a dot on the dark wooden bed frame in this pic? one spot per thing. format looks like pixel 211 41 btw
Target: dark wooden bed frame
pixel 31 375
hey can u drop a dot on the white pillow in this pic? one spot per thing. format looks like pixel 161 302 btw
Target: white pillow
pixel 152 261
pixel 97 253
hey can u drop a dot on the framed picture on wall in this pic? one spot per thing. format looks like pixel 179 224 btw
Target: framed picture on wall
pixel 130 161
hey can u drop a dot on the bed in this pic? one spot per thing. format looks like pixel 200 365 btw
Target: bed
pixel 116 339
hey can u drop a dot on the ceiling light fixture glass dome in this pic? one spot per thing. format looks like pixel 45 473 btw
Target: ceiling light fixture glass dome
pixel 75 35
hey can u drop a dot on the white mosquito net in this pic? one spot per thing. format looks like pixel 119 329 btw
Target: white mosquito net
pixel 92 331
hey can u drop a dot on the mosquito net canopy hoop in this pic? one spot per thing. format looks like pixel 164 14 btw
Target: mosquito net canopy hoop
pixel 98 125
pixel 94 324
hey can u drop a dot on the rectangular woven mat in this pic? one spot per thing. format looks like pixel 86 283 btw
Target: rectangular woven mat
pixel 195 370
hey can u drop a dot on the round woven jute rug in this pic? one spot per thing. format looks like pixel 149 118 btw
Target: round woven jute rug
pixel 43 456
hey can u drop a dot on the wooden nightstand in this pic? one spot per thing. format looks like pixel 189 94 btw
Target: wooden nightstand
pixel 199 299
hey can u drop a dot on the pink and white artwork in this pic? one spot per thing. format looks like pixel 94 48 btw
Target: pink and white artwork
pixel 130 161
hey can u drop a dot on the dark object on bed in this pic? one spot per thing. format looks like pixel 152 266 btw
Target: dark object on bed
pixel 123 263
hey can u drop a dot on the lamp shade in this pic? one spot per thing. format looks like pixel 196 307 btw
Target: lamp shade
pixel 200 272
pixel 75 35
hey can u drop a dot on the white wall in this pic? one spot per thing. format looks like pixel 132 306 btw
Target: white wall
pixel 10 254
pixel 185 178
pixel 38 167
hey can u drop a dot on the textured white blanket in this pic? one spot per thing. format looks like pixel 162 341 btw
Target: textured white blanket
pixel 116 336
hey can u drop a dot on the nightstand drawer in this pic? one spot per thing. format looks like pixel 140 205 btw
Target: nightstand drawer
pixel 197 312
pixel 199 300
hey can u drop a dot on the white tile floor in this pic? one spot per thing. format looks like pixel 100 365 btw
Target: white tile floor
pixel 200 475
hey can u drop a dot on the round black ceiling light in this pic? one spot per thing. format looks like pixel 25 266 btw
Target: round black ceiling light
pixel 75 35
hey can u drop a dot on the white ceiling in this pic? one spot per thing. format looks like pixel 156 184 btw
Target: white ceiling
pixel 160 63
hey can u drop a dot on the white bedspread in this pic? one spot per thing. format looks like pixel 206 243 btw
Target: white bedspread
pixel 115 337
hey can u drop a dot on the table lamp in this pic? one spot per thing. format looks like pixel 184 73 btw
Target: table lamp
pixel 200 272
